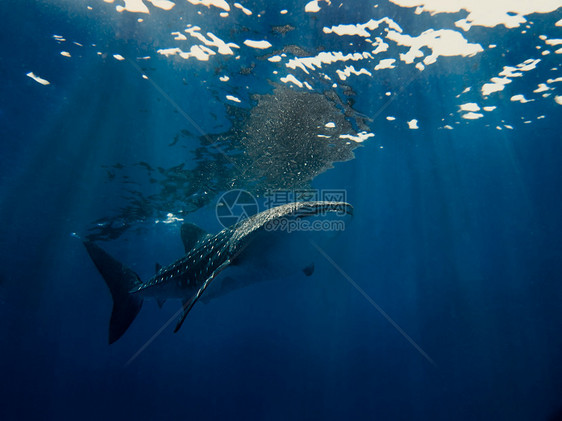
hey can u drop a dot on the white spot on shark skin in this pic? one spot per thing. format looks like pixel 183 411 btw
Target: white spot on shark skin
pixel 232 98
pixel 520 98
pixel 118 57
pixel 489 108
pixel 262 45
pixel 284 12
pixel 65 53
pixel 38 79
pixel 224 78
pixel 413 124
pixel 275 59
pixel 558 99
pixel 390 118
pixel 330 125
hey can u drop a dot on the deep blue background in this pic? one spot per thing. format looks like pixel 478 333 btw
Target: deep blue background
pixel 456 235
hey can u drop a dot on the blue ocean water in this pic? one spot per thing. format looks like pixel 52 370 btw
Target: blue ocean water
pixel 442 298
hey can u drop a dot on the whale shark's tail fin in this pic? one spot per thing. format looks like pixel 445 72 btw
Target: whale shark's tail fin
pixel 120 280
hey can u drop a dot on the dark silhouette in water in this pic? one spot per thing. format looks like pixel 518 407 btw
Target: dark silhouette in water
pixel 283 142
pixel 206 257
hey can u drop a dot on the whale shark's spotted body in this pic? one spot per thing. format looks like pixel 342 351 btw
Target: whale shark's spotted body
pixel 188 277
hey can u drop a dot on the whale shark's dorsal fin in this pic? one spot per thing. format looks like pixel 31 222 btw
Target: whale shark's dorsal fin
pixel 190 235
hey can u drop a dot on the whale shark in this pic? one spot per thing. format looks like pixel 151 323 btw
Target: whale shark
pixel 206 256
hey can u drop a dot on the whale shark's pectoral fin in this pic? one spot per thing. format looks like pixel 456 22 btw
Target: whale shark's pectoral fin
pixel 188 304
